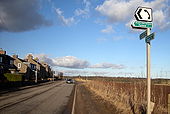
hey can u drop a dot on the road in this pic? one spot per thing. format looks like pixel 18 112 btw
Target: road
pixel 51 98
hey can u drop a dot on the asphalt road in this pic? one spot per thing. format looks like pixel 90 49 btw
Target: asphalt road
pixel 47 99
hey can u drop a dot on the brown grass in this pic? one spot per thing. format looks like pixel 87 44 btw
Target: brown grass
pixel 130 97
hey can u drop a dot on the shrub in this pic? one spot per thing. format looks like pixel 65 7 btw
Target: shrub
pixel 130 96
pixel 13 77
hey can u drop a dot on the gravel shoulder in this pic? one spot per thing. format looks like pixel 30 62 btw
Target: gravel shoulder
pixel 89 103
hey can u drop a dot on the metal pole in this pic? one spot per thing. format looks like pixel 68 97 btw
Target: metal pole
pixel 148 46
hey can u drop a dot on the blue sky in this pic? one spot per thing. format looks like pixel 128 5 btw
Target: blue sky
pixel 86 37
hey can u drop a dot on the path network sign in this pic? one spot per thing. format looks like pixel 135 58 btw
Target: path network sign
pixel 141 25
pixel 143 20
pixel 143 14
pixel 143 17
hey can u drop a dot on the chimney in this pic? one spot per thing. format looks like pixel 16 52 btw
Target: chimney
pixel 2 51
pixel 30 56
pixel 15 56
pixel 36 59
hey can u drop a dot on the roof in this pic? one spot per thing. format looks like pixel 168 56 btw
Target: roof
pixel 22 60
pixel 37 62
pixel 7 56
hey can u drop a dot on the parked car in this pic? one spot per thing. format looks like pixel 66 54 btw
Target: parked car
pixel 69 81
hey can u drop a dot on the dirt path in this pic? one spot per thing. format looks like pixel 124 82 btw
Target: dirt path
pixel 88 103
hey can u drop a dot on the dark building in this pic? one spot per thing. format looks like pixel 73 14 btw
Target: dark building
pixel 6 63
pixel 41 71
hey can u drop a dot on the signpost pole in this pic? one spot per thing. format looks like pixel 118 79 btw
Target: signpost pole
pixel 148 74
pixel 144 21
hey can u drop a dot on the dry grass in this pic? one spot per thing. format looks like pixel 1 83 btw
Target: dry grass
pixel 129 97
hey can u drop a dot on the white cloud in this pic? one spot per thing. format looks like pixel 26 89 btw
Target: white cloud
pixel 67 61
pixel 79 12
pixel 74 19
pixel 118 11
pixel 108 65
pixel 85 11
pixel 44 58
pixel 161 19
pixel 83 72
pixel 71 72
pixel 74 62
pixel 108 29
pixel 64 21
pixel 71 62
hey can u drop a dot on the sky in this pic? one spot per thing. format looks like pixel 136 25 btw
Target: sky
pixel 87 37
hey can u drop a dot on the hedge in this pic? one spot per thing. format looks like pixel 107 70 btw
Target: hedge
pixel 13 77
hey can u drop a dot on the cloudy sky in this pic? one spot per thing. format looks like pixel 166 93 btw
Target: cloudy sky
pixel 86 37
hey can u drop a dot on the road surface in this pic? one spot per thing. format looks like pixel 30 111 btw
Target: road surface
pixel 47 99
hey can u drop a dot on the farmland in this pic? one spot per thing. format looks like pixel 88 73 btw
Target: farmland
pixel 128 95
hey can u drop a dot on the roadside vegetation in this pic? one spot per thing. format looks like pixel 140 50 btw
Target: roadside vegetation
pixel 13 77
pixel 128 95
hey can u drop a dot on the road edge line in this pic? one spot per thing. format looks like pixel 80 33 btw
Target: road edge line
pixel 74 100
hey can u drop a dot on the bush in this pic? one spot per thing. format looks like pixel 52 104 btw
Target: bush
pixel 130 97
pixel 13 77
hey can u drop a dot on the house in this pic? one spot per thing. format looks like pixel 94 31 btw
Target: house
pixel 24 67
pixel 46 66
pixel 41 72
pixel 47 69
pixel 60 75
pixel 6 63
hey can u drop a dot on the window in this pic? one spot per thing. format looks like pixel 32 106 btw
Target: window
pixel 11 62
pixel 0 59
pixel 19 65
pixel 33 67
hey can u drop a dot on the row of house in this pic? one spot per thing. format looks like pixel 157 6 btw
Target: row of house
pixel 29 67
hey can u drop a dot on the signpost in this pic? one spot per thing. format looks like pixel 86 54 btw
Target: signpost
pixel 144 19
pixel 148 46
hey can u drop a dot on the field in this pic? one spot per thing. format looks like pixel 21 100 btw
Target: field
pixel 128 95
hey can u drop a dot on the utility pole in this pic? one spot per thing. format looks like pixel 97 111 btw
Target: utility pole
pixel 148 72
